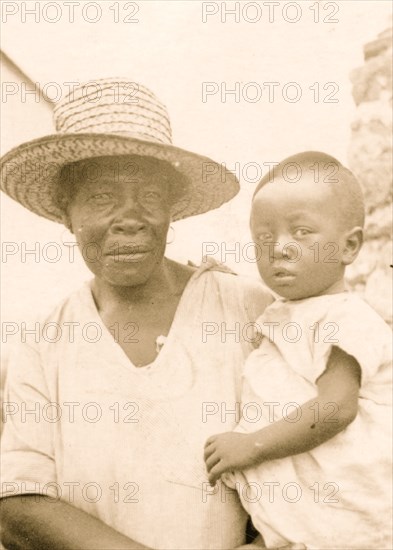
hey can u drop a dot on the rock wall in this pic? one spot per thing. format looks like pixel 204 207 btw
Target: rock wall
pixel 370 158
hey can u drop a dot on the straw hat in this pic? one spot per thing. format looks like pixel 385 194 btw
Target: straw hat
pixel 103 118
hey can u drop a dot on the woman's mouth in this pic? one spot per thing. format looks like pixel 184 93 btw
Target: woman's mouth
pixel 131 256
pixel 128 254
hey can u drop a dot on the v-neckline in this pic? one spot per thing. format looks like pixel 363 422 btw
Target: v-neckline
pixel 123 357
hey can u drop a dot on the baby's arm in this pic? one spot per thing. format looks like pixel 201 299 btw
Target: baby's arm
pixel 338 389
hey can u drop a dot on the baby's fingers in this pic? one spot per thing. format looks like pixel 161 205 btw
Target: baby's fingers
pixel 208 451
pixel 212 461
pixel 210 440
pixel 215 473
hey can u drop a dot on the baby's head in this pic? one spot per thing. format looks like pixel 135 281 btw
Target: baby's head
pixel 307 222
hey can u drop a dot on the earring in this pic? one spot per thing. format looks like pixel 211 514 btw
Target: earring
pixel 172 236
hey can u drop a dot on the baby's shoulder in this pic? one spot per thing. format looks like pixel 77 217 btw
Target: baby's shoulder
pixel 356 312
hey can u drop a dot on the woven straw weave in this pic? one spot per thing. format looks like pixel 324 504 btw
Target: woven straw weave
pixel 104 118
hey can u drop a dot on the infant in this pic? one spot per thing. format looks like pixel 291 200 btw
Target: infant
pixel 311 456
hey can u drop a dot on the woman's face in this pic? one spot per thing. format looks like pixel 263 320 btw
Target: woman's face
pixel 120 215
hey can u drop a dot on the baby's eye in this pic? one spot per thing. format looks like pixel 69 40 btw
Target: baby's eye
pixel 302 232
pixel 265 236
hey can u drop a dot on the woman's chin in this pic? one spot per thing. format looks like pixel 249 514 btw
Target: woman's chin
pixel 127 275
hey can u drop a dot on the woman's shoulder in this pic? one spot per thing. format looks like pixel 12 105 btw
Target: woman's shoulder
pixel 71 305
pixel 56 326
pixel 45 332
pixel 250 293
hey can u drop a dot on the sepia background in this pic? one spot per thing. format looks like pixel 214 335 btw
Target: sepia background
pixel 175 48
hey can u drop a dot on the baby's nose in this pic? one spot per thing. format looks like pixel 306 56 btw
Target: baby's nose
pixel 287 250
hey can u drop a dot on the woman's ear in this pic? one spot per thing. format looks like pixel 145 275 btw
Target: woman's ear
pixel 352 245
pixel 67 222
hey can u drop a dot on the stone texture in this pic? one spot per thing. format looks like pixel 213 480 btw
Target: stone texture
pixel 370 158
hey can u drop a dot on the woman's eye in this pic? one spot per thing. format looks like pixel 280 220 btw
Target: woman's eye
pixel 101 198
pixel 301 232
pixel 151 197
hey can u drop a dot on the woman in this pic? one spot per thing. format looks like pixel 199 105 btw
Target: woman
pixel 115 459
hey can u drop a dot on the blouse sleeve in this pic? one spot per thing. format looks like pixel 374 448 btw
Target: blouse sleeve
pixel 27 448
pixel 256 299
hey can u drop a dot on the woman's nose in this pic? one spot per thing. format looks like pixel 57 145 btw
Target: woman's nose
pixel 127 218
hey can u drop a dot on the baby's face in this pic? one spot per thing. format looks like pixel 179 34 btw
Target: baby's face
pixel 299 238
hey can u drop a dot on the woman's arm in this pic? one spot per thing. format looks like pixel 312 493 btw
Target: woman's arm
pixel 317 421
pixel 32 522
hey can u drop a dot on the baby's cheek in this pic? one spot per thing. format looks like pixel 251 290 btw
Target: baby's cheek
pixel 264 259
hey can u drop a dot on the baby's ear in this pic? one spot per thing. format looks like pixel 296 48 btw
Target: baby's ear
pixel 352 245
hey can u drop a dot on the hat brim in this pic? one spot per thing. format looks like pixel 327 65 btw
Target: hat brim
pixel 29 172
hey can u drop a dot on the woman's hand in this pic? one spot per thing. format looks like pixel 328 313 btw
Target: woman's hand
pixel 229 451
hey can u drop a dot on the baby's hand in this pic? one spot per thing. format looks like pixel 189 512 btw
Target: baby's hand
pixel 229 451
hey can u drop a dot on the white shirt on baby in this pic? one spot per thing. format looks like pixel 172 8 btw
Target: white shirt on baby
pixel 338 495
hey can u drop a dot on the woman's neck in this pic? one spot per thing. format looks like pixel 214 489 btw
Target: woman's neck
pixel 169 279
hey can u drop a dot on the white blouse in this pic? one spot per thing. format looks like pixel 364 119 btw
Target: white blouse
pixel 123 443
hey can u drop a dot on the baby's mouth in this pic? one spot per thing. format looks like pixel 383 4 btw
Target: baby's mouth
pixel 282 271
pixel 282 274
